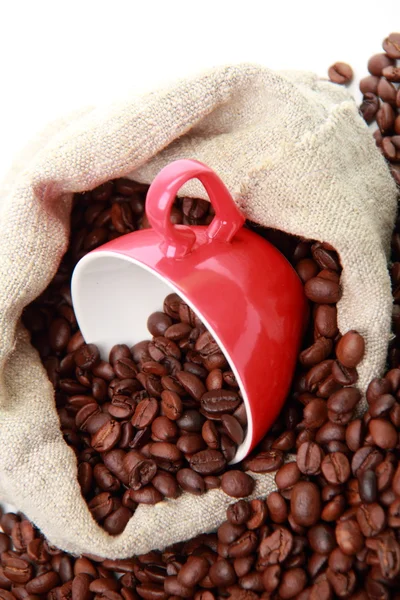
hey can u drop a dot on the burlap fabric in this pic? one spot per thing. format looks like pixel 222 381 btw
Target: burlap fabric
pixel 296 156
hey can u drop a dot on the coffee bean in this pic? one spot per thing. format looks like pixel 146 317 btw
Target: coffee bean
pixel 190 481
pixel 350 349
pixel 277 508
pixel 43 583
pixel 237 484
pixel 190 443
pixel 233 428
pixel 378 62
pixel 391 73
pixel 239 512
pixel 259 513
pixel 325 320
pixel 59 334
pixel 305 503
pixel 210 435
pixel 145 412
pixel 116 522
pixel 215 403
pixel 322 291
pixel 16 570
pixel 21 534
pixel 287 476
pixel 344 400
pixel 349 537
pixel 171 405
pixel 365 458
pixel 292 583
pixel 385 118
pixel 276 548
pixel 265 462
pixel 371 519
pixel 101 506
pixel 208 462
pixel 369 106
pixel 158 323
pixel 193 571
pixel 316 353
pixel 315 413
pixel 391 45
pixel 387 91
pixel 165 484
pixel 107 436
pixel 383 433
pixel 191 421
pixel 336 468
pixel 86 356
pixel 309 458
pixel 80 587
pixel 369 84
pixel 340 73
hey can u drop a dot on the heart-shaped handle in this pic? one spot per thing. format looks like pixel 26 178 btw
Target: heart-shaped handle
pixel 178 240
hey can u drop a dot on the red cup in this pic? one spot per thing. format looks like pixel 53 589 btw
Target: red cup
pixel 242 288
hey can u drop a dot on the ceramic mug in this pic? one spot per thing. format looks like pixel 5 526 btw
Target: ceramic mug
pixel 241 287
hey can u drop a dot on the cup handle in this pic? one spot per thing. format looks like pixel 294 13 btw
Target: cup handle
pixel 178 240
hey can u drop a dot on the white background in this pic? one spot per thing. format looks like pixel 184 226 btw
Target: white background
pixel 59 55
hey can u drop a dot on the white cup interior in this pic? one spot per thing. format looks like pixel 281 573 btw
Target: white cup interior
pixel 114 295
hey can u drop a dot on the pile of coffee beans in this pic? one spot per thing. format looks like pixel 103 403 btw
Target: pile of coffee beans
pixel 381 98
pixel 167 415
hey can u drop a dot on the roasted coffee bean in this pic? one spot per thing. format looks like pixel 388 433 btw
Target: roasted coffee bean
pixel 378 62
pixel 190 481
pixel 86 356
pixel 215 403
pixel 365 458
pixel 145 412
pixel 171 405
pixel 142 473
pixel 208 462
pixel 349 537
pixel 322 291
pixel 107 436
pixel 116 522
pixel 370 105
pixel 340 73
pixel 16 570
pixel 190 443
pixel 383 433
pixel 265 462
pixel 371 519
pixel 385 118
pixel 193 571
pixel 350 349
pixel 287 476
pixel 21 534
pixel 239 512
pixel 309 457
pixel 277 508
pixel 369 84
pixel 237 484
pixel 276 548
pixel 233 428
pixel 191 421
pixel 391 45
pixel 43 583
pixel 305 503
pixel 336 468
pixel 210 435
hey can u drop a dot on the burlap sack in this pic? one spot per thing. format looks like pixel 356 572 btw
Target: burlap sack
pixel 296 156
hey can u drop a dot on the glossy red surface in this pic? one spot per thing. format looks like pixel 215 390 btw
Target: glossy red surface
pixel 241 285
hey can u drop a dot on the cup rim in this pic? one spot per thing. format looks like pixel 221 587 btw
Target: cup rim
pixel 244 447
